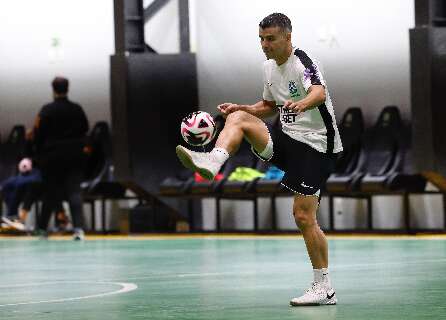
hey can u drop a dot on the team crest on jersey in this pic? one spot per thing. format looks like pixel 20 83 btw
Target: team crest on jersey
pixel 293 89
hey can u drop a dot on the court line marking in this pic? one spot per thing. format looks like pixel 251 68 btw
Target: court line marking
pixel 336 267
pixel 125 287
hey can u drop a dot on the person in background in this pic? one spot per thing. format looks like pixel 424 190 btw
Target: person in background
pixel 23 189
pixel 59 138
pixel 14 190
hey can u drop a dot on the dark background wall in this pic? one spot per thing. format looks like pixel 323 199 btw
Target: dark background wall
pixel 151 94
pixel 364 48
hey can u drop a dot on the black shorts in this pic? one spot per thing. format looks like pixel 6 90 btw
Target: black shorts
pixel 306 169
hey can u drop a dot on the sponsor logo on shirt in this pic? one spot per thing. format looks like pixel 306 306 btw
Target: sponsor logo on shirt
pixel 287 115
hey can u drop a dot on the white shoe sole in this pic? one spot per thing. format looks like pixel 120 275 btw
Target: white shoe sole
pixel 16 225
pixel 324 303
pixel 187 161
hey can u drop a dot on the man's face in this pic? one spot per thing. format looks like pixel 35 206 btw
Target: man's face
pixel 275 42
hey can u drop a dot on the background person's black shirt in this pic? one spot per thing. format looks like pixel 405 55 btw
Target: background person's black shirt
pixel 60 131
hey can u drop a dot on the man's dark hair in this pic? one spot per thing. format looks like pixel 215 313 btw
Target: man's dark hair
pixel 60 85
pixel 276 20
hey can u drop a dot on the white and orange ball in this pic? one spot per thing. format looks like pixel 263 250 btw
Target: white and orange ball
pixel 198 128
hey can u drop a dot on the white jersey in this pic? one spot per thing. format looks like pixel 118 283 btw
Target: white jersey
pixel 291 81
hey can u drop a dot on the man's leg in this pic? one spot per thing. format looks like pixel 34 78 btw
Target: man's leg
pixel 304 211
pixel 52 193
pixel 48 205
pixel 34 191
pixel 75 201
pixel 9 193
pixel 239 125
pixel 12 195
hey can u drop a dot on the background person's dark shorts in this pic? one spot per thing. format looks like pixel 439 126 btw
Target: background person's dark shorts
pixel 306 170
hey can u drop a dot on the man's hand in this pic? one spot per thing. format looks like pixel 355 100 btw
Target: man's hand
pixel 297 107
pixel 228 107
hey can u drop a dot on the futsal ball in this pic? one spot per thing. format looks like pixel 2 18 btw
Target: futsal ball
pixel 198 128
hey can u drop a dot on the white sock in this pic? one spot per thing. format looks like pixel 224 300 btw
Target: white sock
pixel 322 276
pixel 220 154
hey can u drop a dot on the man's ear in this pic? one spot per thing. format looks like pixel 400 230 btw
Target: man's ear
pixel 288 36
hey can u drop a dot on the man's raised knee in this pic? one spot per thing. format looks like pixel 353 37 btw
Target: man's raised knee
pixel 238 115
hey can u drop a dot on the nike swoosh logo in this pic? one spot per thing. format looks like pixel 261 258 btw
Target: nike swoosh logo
pixel 330 296
pixel 305 186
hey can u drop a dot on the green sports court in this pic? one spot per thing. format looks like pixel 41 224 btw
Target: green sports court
pixel 189 159
pixel 219 277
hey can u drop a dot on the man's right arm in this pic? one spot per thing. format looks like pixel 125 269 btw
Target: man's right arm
pixel 262 109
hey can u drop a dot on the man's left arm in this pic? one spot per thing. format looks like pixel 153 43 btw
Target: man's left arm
pixel 316 96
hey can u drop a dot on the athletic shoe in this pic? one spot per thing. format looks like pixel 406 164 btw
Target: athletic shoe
pixel 15 224
pixel 318 294
pixel 201 162
pixel 78 234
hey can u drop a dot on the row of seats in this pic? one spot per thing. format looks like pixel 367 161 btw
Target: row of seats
pixel 99 176
pixel 99 182
pixel 374 159
pixel 98 164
